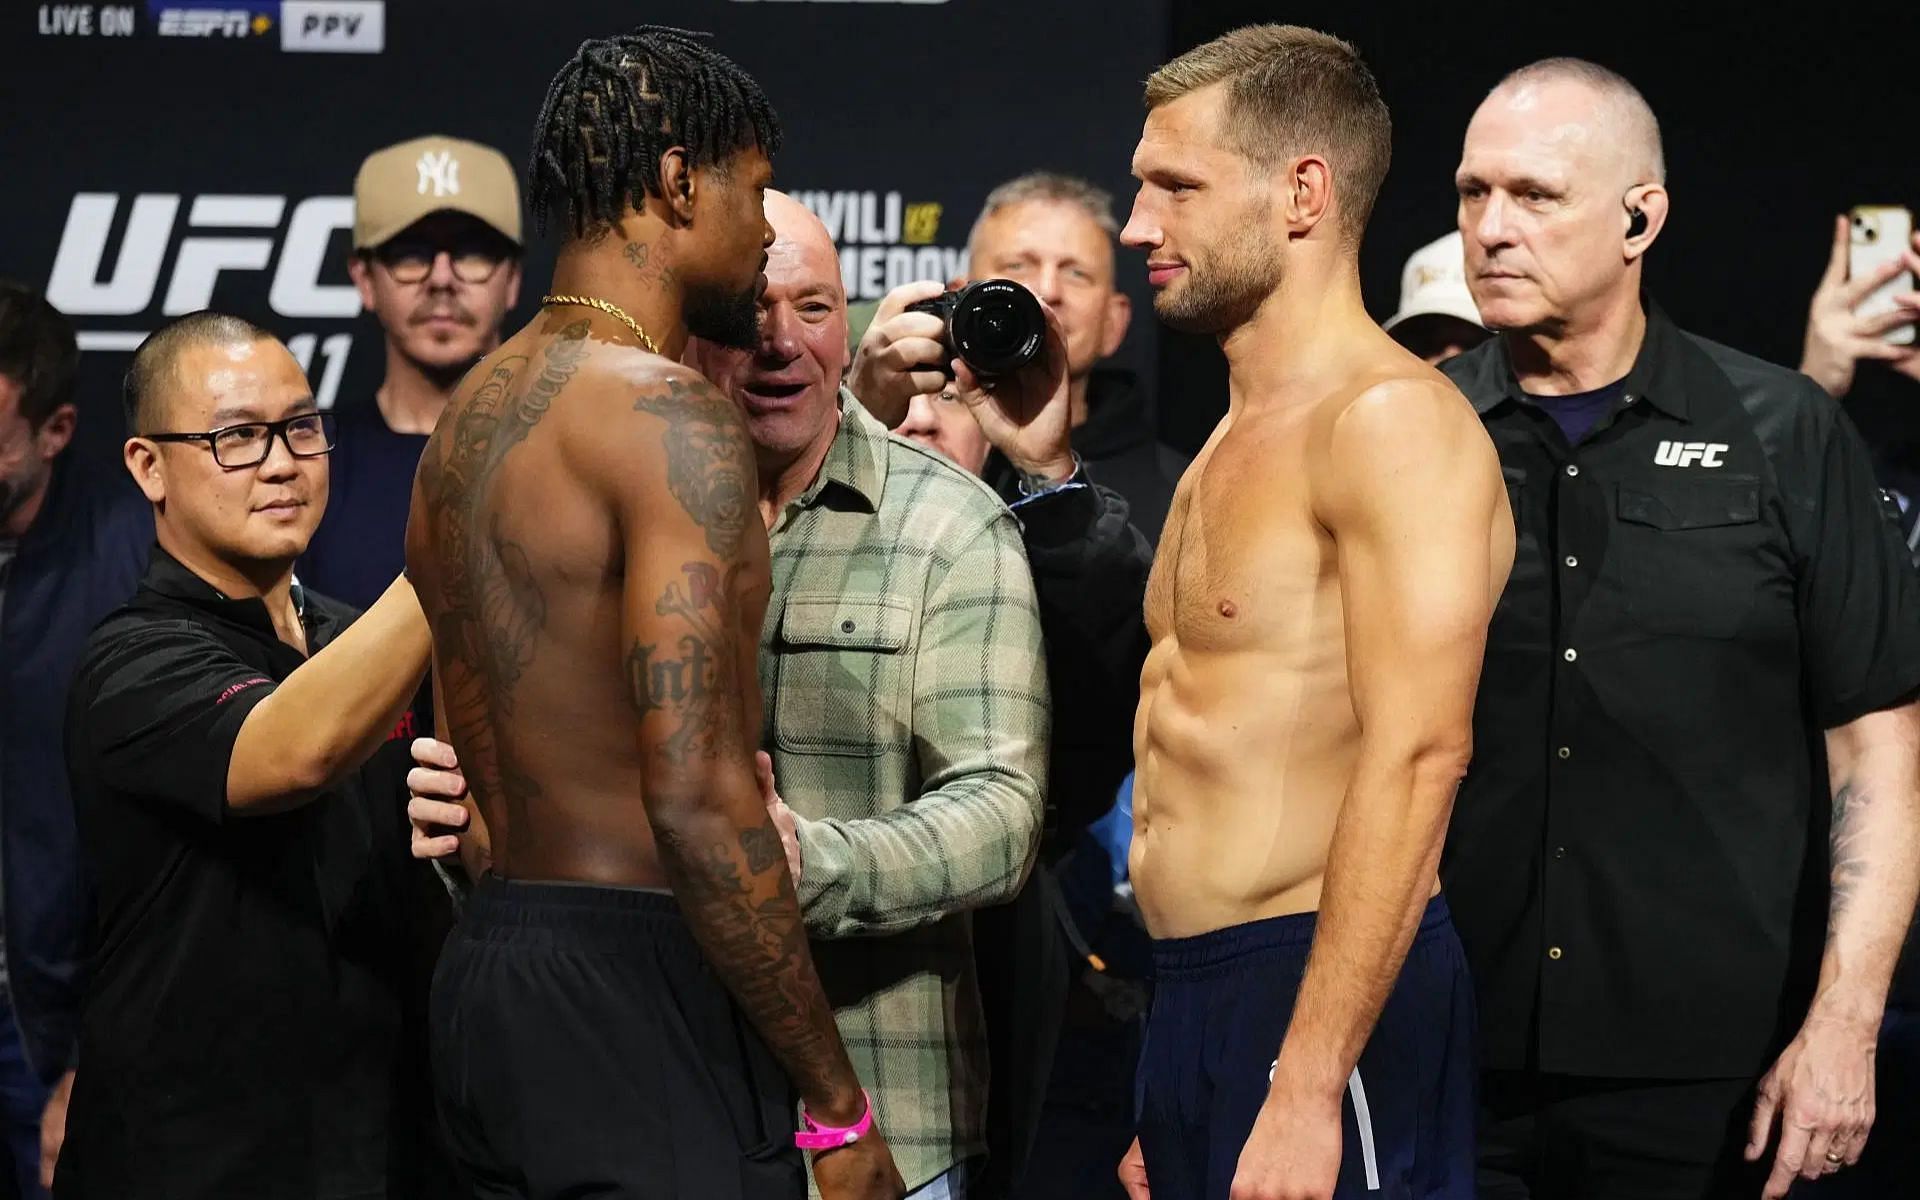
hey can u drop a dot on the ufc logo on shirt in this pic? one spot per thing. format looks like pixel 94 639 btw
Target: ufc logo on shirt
pixel 1685 454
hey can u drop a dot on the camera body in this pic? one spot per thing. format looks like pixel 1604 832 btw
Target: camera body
pixel 995 326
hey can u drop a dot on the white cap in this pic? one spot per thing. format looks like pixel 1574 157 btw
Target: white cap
pixel 1434 283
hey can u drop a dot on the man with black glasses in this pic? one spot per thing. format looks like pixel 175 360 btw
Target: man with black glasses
pixel 243 1032
pixel 436 256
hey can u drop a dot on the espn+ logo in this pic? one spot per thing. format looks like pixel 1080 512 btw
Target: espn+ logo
pixel 290 241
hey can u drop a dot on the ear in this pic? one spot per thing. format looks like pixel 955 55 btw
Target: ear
pixel 676 184
pixel 55 432
pixel 1651 200
pixel 361 272
pixel 1119 316
pixel 1309 195
pixel 143 463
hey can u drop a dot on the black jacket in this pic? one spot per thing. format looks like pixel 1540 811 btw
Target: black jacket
pixel 1090 569
pixel 1090 565
pixel 81 558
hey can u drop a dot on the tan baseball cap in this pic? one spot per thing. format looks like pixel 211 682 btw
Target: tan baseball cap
pixel 400 184
pixel 1434 283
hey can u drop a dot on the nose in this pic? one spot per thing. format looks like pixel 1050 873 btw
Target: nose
pixel 920 421
pixel 766 232
pixel 441 277
pixel 1493 225
pixel 1142 231
pixel 279 464
pixel 1047 286
pixel 780 340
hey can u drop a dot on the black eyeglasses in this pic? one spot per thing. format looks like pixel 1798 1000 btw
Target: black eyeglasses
pixel 412 262
pixel 309 435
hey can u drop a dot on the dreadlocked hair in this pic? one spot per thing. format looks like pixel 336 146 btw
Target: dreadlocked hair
pixel 621 102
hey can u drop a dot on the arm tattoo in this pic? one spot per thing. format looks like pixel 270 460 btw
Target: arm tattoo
pixel 708 470
pixel 1848 844
pixel 688 680
pixel 697 680
pixel 748 924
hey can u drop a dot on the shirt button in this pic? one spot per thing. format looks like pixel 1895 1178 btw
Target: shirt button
pixel 1627 399
pixel 1572 470
pixel 1565 752
pixel 846 627
pixel 1571 654
pixel 1559 851
pixel 1572 561
pixel 1554 953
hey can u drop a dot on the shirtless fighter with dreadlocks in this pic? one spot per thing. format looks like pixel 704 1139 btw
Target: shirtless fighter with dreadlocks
pixel 629 991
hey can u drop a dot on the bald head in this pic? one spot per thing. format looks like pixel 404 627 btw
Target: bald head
pixel 1561 197
pixel 795 224
pixel 155 368
pixel 1597 106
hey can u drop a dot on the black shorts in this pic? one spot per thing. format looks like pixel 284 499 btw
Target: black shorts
pixel 1221 1005
pixel 583 1047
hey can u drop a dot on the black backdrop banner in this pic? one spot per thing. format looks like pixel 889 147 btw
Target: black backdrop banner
pixel 164 157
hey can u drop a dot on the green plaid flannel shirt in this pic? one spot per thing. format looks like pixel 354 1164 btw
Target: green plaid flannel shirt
pixel 907 716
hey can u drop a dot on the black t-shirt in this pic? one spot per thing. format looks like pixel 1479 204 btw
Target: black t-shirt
pixel 242 1033
pixel 361 545
pixel 1638 857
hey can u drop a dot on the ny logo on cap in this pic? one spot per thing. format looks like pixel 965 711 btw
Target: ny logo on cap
pixel 441 170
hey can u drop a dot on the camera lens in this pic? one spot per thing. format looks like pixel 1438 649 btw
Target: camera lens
pixel 997 326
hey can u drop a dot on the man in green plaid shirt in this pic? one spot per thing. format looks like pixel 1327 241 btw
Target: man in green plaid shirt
pixel 906 711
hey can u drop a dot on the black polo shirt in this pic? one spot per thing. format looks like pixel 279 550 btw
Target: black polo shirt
pixel 241 1033
pixel 1637 861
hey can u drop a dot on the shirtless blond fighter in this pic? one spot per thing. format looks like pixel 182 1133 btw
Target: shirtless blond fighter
pixel 630 990
pixel 1318 608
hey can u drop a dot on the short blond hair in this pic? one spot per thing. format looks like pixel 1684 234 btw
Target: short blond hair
pixel 1292 90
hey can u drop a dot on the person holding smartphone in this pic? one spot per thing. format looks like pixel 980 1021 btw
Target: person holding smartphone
pixel 1841 335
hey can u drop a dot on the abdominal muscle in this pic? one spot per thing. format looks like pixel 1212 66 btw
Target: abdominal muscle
pixel 1243 762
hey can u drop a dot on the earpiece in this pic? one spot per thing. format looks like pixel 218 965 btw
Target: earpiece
pixel 1637 223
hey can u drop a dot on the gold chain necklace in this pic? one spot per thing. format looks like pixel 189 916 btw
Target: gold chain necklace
pixel 607 307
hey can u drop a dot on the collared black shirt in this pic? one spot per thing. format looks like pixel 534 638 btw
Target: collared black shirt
pixel 241 1033
pixel 1709 581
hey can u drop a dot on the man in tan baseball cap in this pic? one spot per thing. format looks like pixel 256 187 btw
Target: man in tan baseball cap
pixel 436 256
pixel 1437 319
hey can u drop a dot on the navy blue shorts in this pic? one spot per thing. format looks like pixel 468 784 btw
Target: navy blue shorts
pixel 1221 1005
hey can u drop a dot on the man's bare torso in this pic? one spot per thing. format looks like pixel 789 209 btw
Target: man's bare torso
pixel 519 561
pixel 1246 737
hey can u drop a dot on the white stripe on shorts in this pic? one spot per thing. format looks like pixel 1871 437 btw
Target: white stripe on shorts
pixel 1363 1120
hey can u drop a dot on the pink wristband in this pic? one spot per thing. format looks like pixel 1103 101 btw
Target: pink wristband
pixel 825 1137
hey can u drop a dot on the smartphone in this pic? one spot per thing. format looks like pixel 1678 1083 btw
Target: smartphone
pixel 1881 234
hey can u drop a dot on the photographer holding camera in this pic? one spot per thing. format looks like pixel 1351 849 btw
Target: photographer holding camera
pixel 1090 567
pixel 1053 234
